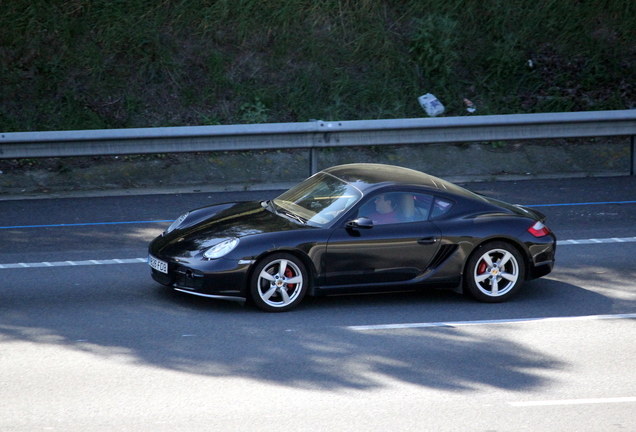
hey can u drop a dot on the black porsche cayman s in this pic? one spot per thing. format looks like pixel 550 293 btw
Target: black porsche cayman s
pixel 352 229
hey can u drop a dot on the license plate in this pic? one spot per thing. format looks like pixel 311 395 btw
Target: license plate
pixel 157 264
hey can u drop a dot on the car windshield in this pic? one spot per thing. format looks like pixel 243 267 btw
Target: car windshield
pixel 319 199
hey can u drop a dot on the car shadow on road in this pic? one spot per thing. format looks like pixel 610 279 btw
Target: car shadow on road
pixel 315 346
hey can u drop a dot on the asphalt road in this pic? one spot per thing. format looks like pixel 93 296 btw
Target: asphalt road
pixel 89 342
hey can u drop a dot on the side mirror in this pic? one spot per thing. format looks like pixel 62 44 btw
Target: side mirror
pixel 361 222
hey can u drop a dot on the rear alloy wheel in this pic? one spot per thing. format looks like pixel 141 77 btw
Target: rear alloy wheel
pixel 494 272
pixel 279 283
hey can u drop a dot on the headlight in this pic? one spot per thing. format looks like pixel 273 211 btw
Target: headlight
pixel 176 223
pixel 221 249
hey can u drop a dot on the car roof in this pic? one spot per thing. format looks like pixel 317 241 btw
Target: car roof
pixel 369 175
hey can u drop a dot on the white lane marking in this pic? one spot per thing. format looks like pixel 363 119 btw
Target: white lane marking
pixel 574 401
pixel 488 322
pixel 74 263
pixel 596 241
pixel 140 260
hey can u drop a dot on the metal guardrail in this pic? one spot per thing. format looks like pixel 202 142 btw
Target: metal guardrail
pixel 320 134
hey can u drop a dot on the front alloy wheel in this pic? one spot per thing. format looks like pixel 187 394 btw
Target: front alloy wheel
pixel 279 283
pixel 494 272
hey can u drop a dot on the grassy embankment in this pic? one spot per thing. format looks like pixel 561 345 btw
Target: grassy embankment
pixel 82 64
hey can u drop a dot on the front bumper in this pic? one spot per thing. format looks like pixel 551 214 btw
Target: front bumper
pixel 220 278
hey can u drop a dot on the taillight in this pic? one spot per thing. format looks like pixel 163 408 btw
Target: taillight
pixel 539 229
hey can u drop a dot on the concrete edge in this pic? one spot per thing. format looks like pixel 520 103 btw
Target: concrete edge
pixel 282 186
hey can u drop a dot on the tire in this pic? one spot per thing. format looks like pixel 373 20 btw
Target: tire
pixel 494 272
pixel 279 283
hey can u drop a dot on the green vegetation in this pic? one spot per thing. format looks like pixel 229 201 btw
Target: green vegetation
pixel 84 64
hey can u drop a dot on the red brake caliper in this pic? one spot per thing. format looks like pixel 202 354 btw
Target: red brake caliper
pixel 289 274
pixel 481 269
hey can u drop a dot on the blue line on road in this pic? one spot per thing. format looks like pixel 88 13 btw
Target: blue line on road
pixel 581 204
pixel 166 221
pixel 85 224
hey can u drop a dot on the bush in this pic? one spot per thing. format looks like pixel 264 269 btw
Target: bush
pixel 82 64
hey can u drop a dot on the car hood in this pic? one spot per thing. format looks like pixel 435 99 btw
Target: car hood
pixel 208 226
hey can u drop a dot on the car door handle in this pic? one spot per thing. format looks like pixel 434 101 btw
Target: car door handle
pixel 427 240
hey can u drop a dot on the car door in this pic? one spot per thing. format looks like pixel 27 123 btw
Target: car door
pixel 389 252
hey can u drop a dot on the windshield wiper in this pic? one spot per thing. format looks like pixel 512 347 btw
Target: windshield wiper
pixel 270 203
pixel 283 212
pixel 295 217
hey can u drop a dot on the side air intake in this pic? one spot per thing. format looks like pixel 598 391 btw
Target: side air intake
pixel 442 255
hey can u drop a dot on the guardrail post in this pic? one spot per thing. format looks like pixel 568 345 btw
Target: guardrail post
pixel 313 161
pixel 633 156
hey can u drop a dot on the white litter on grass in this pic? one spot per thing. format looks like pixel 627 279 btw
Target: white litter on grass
pixel 431 105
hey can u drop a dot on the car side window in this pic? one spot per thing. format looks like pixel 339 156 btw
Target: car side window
pixel 397 207
pixel 441 207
